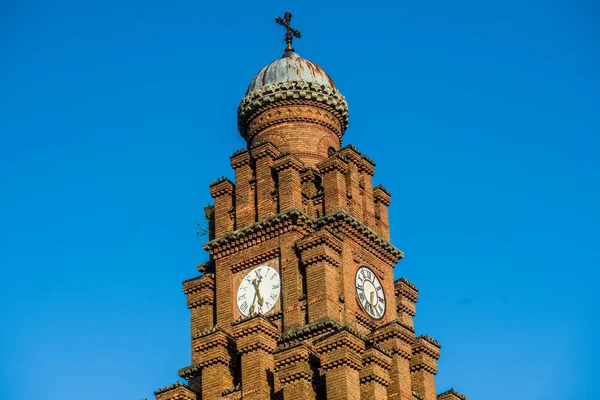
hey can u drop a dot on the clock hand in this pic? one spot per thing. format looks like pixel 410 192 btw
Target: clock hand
pixel 261 300
pixel 251 310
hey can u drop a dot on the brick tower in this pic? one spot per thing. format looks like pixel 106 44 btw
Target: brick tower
pixel 298 300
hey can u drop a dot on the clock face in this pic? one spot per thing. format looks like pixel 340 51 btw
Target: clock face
pixel 259 291
pixel 370 293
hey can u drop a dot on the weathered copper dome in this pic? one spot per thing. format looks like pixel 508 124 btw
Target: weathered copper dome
pixel 290 68
pixel 293 104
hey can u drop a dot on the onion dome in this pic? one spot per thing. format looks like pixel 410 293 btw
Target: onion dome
pixel 290 68
pixel 293 92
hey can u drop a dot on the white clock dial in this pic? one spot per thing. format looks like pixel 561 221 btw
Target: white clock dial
pixel 259 291
pixel 370 292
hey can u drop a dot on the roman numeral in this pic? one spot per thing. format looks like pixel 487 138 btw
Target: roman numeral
pixel 275 286
pixel 244 306
pixel 274 296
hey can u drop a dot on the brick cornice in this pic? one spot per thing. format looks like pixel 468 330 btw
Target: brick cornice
pixel 176 391
pixel 393 331
pixel 206 281
pixel 416 396
pixel 320 237
pixel 363 235
pixel 333 163
pixel 281 92
pixel 428 345
pixel 451 395
pixel 344 337
pixel 288 161
pixel 351 154
pixel 291 219
pixel 211 338
pixel 381 195
pixel 376 355
pixel 406 289
pixel 255 332
pixel 256 260
pixel 189 372
pixel 425 351
pixel 308 175
pixel 324 325
pixel 367 166
pixel 221 187
pixel 264 149
pixel 256 323
pixel 240 158
pixel 342 348
pixel 206 267
pixel 293 363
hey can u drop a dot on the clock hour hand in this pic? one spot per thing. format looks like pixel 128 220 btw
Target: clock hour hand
pixel 256 284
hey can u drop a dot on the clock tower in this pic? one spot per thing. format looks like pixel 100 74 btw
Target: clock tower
pixel 298 299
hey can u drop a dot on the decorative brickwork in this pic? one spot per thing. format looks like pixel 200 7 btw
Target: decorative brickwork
pixel 298 299
pixel 451 395
pixel 177 391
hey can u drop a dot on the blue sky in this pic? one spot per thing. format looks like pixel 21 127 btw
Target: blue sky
pixel 483 119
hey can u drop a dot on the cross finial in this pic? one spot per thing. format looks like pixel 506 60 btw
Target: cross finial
pixel 290 33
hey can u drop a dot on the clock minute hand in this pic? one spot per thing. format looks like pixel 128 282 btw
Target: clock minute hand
pixel 257 292
pixel 251 310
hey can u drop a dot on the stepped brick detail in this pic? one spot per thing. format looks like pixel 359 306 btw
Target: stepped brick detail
pixel 298 299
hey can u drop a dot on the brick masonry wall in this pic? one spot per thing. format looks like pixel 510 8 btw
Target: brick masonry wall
pixel 309 209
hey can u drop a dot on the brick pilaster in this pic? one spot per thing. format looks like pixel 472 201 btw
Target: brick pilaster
pixel 382 202
pixel 341 360
pixel 200 294
pixel 222 191
pixel 396 339
pixel 288 169
pixel 295 372
pixel 291 283
pixel 367 170
pixel 263 154
pixel 212 355
pixel 423 366
pixel 244 195
pixel 353 179
pixel 407 296
pixel 374 375
pixel 256 342
pixel 320 256
pixel 334 171
pixel 309 179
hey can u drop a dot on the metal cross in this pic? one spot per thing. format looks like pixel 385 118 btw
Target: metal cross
pixel 290 32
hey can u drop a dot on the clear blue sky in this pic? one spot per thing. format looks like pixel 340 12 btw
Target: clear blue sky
pixel 483 118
